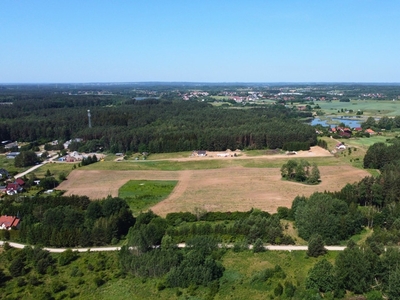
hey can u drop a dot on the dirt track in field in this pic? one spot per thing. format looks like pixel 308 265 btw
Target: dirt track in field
pixel 227 189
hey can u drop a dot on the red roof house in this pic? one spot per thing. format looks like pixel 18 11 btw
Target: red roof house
pixel 370 131
pixel 20 181
pixel 13 188
pixel 8 222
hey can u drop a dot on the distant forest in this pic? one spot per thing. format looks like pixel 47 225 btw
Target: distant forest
pixel 121 123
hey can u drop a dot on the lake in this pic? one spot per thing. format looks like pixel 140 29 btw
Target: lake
pixel 333 122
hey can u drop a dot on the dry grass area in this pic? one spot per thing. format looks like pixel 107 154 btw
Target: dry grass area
pixel 228 189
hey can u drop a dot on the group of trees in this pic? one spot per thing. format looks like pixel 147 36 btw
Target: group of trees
pixel 333 219
pixel 380 154
pixel 384 123
pixel 61 221
pixel 26 159
pixel 360 270
pixel 194 265
pixel 35 273
pixel 300 171
pixel 89 160
pixel 248 227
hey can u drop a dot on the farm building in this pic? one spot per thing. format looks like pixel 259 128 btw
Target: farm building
pixel 340 146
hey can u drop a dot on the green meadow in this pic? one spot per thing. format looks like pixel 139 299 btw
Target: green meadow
pixel 142 194
pixel 375 108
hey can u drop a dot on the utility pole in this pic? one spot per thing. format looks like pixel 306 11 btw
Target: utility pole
pixel 90 121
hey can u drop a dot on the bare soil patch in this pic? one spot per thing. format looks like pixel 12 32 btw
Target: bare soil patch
pixel 315 151
pixel 228 189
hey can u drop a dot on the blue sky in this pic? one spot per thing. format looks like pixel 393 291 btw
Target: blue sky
pixel 199 41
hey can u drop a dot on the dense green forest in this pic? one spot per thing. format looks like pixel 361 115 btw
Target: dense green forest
pixel 121 125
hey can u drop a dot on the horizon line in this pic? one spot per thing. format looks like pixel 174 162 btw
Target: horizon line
pixel 202 82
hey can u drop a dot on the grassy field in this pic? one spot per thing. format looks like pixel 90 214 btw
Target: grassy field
pixel 204 164
pixel 55 169
pixel 365 143
pixel 373 108
pixel 142 194
pixel 8 164
pixel 157 156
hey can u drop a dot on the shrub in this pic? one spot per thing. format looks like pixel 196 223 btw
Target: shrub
pixel 316 246
pixel 278 290
pixel 98 281
pixel 258 246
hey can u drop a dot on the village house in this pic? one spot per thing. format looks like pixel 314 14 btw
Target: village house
pixel 370 131
pixel 13 188
pixel 12 155
pixel 340 146
pixel 11 145
pixel 342 131
pixel 8 222
pixel 19 181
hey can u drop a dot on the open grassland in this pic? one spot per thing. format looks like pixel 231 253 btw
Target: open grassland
pixel 142 194
pixel 225 189
pixel 369 107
